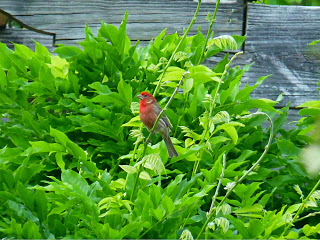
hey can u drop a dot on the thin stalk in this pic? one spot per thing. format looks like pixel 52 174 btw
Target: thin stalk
pixel 176 49
pixel 135 147
pixel 153 128
pixel 135 182
pixel 209 31
pixel 186 96
pixel 230 190
pixel 307 216
pixel 223 76
pixel 294 219
pixel 219 183
pixel 167 105
pixel 217 190
pixel 196 163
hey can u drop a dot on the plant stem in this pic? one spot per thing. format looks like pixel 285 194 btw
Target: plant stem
pixel 135 182
pixel 209 31
pixel 196 163
pixel 219 183
pixel 176 49
pixel 136 146
pixel 300 208
pixel 153 128
pixel 167 105
pixel 217 189
pixel 247 173
pixel 186 96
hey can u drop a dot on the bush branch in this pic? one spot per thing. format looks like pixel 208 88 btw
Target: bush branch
pixel 247 173
pixel 219 183
pixel 176 49
pixel 294 219
pixel 196 163
pixel 152 131
pixel 209 31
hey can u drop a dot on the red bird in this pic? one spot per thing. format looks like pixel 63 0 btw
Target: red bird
pixel 149 111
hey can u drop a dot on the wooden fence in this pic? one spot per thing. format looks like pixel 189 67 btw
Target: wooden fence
pixel 277 37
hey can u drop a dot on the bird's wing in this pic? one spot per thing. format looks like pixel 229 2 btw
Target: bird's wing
pixel 158 109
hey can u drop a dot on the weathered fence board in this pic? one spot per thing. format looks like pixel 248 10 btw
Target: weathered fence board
pixel 146 18
pixel 25 37
pixel 277 41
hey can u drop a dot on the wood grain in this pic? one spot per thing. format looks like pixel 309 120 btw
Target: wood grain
pixel 277 41
pixel 146 18
pixel 25 37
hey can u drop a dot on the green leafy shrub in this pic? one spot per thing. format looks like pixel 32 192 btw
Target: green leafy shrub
pixel 72 159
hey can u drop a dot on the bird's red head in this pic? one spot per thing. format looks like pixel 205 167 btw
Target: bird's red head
pixel 146 98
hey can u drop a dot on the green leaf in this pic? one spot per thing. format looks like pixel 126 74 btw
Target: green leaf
pixel 67 51
pixel 187 86
pixel 5 60
pixel 24 51
pixel 134 122
pixel 100 88
pixel 3 79
pixel 186 235
pixel 256 208
pixel 7 178
pixel 288 148
pixel 223 42
pixel 47 79
pixel 123 42
pixel 127 230
pixel 292 235
pixel 314 42
pixel 61 164
pixel 30 230
pixel 239 225
pixel 231 130
pixel 59 229
pixel 125 92
pixel 218 139
pixel 128 169
pixel 41 146
pixel 239 40
pixel 223 223
pixel 157 40
pixel 109 32
pixel 255 228
pixel 309 230
pixel 41 207
pixel 145 176
pixel 310 104
pixel 152 162
pixel 281 120
pixel 202 74
pixel 263 103
pixel 167 204
pixel 245 92
pixel 26 196
pixel 172 188
pixel 74 149
pixel 173 74
pixel 42 53
pixel 75 180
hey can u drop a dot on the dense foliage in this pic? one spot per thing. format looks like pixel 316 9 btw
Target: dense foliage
pixel 71 145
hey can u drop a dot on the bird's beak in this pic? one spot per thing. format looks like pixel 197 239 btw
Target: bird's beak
pixel 139 96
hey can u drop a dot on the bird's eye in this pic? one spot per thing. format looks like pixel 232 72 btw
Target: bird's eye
pixel 144 96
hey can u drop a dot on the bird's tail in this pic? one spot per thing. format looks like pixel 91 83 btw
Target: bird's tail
pixel 171 150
